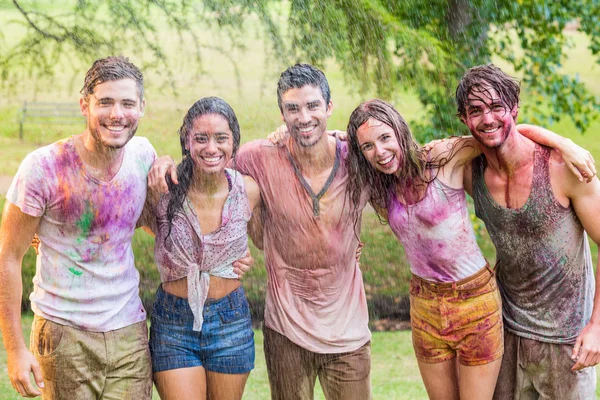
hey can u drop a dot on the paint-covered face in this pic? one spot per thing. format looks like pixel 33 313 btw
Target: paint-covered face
pixel 210 143
pixel 305 113
pixel 113 112
pixel 378 143
pixel 488 118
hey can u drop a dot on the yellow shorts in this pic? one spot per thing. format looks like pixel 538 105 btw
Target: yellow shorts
pixel 461 318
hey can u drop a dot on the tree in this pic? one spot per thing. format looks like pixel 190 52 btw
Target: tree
pixel 74 33
pixel 383 44
pixel 428 45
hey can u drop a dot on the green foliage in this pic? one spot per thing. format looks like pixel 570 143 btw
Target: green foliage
pixel 428 46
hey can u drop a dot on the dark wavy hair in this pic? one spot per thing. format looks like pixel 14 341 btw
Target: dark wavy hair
pixel 112 69
pixel 411 176
pixel 480 79
pixel 185 169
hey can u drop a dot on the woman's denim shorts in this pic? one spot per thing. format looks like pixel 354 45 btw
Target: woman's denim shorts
pixel 225 345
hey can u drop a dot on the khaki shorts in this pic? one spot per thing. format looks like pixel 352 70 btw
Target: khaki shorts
pixel 462 318
pixel 79 364
pixel 533 370
pixel 293 371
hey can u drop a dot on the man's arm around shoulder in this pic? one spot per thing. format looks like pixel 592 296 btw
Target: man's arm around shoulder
pixel 16 232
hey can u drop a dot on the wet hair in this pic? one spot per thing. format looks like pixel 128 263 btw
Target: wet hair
pixel 185 169
pixel 112 69
pixel 481 79
pixel 411 176
pixel 301 75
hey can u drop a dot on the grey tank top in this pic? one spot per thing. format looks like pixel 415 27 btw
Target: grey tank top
pixel 543 265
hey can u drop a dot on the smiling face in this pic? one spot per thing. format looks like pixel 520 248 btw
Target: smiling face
pixel 113 111
pixel 210 143
pixel 379 145
pixel 305 113
pixel 488 118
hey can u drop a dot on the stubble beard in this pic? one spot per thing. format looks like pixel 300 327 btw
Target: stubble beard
pixel 101 142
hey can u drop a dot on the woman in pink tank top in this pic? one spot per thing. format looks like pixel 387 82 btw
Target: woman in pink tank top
pixel 201 338
pixel 456 313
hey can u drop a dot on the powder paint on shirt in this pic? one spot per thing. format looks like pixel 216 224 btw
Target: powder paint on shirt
pixel 86 228
pixel 437 234
pixel 544 265
pixel 315 293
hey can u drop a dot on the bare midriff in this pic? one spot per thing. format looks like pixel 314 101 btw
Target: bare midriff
pixel 218 287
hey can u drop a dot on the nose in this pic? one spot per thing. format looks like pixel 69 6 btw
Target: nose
pixel 211 146
pixel 379 150
pixel 487 117
pixel 303 116
pixel 116 111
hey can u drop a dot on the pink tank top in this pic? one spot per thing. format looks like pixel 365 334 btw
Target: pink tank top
pixel 188 253
pixel 437 234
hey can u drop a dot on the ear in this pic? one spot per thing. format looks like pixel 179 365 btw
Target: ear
pixel 463 119
pixel 515 112
pixel 143 108
pixel 329 108
pixel 84 106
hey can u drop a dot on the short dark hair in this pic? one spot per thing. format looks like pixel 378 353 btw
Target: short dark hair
pixel 112 68
pixel 482 77
pixel 299 76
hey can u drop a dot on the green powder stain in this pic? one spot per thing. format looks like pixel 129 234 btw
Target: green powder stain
pixel 85 222
pixel 75 272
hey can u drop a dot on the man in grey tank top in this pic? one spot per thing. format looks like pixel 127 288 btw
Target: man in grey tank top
pixel 537 214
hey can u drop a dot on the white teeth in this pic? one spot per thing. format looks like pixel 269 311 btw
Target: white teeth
pixel 491 130
pixel 211 159
pixel 306 130
pixel 115 128
pixel 387 160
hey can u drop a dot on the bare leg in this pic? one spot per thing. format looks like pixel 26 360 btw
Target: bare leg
pixel 440 380
pixel 225 386
pixel 478 382
pixel 181 383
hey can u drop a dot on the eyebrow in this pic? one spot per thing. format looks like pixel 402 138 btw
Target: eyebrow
pixel 105 99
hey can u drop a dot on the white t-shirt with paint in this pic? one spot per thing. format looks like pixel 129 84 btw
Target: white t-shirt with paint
pixel 85 273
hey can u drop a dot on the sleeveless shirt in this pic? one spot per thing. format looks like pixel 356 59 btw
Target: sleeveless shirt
pixel 187 252
pixel 544 267
pixel 437 234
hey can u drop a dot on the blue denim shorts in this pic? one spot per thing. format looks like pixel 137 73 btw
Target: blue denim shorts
pixel 225 345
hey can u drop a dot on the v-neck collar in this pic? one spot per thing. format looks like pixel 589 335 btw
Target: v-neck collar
pixel 316 197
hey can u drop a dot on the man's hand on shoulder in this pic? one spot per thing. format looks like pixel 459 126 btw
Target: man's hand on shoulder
pixel 157 176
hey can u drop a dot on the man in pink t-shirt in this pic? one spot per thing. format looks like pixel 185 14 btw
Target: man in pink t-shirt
pixel 83 196
pixel 316 318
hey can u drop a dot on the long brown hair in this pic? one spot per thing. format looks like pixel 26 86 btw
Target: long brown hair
pixel 411 178
pixel 411 174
